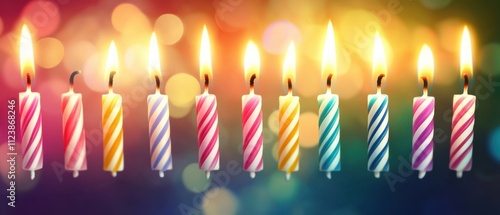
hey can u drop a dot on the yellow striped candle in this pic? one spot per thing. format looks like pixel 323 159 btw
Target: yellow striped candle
pixel 112 120
pixel 289 110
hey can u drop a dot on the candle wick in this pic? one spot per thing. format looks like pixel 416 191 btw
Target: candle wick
pixel 157 81
pixel 379 83
pixel 290 89
pixel 71 80
pixel 28 82
pixel 110 83
pixel 426 85
pixel 466 83
pixel 207 82
pixel 252 83
pixel 329 83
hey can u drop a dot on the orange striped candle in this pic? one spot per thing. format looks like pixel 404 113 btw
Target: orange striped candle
pixel 112 120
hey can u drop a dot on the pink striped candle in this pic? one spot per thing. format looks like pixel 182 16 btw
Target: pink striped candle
pixel 29 110
pixel 462 125
pixel 73 130
pixel 252 116
pixel 206 114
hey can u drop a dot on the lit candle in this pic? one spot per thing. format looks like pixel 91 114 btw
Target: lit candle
pixel 158 116
pixel 206 114
pixel 423 117
pixel 112 119
pixel 328 103
pixel 462 125
pixel 73 130
pixel 29 110
pixel 252 115
pixel 289 110
pixel 378 115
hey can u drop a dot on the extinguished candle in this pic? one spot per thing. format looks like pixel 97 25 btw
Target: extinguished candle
pixel 423 117
pixel 206 114
pixel 252 116
pixel 73 130
pixel 378 116
pixel 158 117
pixel 29 110
pixel 462 125
pixel 112 120
pixel 289 110
pixel 328 104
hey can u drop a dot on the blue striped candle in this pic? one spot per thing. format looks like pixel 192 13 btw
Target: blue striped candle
pixel 159 133
pixel 378 133
pixel 329 131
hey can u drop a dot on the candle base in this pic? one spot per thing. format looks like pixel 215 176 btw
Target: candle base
pixel 287 176
pixel 421 174
pixel 75 174
pixel 32 172
pixel 459 174
pixel 113 174
pixel 329 175
pixel 252 174
pixel 161 174
pixel 207 173
pixel 376 174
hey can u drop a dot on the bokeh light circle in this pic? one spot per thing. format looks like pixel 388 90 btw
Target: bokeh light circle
pixel 309 134
pixel 181 89
pixel 93 74
pixel 350 83
pixel 136 60
pixel 280 189
pixel 278 36
pixel 275 151
pixel 44 16
pixel 169 29
pixel 435 4
pixel 273 121
pixel 123 14
pixel 220 201
pixel 194 179
pixel 50 52
pixel 494 144
pixel 77 53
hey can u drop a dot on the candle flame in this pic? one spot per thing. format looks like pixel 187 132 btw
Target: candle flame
pixel 289 66
pixel 466 55
pixel 329 63
pixel 154 57
pixel 425 64
pixel 26 53
pixel 379 63
pixel 205 58
pixel 252 61
pixel 112 62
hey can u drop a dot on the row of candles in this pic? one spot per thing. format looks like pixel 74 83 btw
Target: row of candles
pixel 289 111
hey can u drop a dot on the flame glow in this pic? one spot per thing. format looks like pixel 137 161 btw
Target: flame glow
pixel 252 61
pixel 379 62
pixel 112 62
pixel 329 63
pixel 426 64
pixel 205 57
pixel 466 55
pixel 154 57
pixel 289 65
pixel 26 53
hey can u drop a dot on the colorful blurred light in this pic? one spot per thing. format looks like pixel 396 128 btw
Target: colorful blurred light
pixel 278 35
pixel 169 29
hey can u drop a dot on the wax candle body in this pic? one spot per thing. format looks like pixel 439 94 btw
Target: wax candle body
pixel 159 133
pixel 329 133
pixel 288 143
pixel 462 133
pixel 208 132
pixel 31 131
pixel 423 134
pixel 112 127
pixel 378 133
pixel 73 132
pixel 252 133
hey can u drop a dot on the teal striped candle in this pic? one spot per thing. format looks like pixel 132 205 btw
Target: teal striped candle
pixel 329 133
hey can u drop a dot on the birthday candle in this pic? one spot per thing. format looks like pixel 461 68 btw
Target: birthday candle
pixel 328 103
pixel 29 110
pixel 112 120
pixel 378 116
pixel 73 130
pixel 423 117
pixel 206 114
pixel 252 116
pixel 462 125
pixel 289 110
pixel 158 116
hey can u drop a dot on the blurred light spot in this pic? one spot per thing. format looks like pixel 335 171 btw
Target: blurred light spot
pixel 50 52
pixel 309 134
pixel 357 31
pixel 309 85
pixel 44 16
pixel 181 89
pixel 220 201
pixel 12 74
pixel 273 121
pixel 23 180
pixel 268 135
pixel 489 62
pixel 494 144
pixel 233 15
pixel 132 23
pixel 169 29
pixel 450 35
pixel 280 189
pixel 350 84
pixel 275 151
pixel 278 36
pixel 136 60
pixel 258 195
pixel 194 179
pixel 435 4
pixel 123 14
pixel 77 53
pixel 179 112
pixel 93 74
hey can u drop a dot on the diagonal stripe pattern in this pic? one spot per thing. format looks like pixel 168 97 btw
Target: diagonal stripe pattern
pixel 159 132
pixel 462 132
pixel 208 132
pixel 423 133
pixel 112 128
pixel 329 133
pixel 31 130
pixel 378 133
pixel 288 142
pixel 73 132
pixel 252 133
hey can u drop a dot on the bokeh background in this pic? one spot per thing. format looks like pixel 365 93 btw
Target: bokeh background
pixel 74 35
